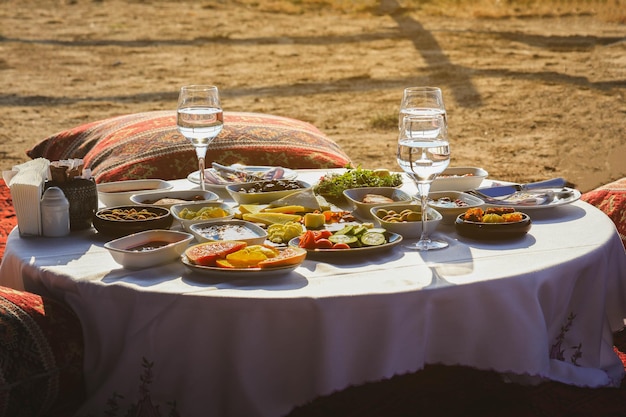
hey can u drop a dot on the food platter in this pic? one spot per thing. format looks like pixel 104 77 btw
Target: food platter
pixel 564 197
pixel 289 174
pixel 392 240
pixel 236 273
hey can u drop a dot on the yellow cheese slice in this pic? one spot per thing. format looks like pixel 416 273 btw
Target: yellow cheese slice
pixel 252 208
pixel 271 218
pixel 304 198
pixel 285 209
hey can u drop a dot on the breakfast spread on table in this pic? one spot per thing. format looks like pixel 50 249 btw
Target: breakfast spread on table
pixel 313 219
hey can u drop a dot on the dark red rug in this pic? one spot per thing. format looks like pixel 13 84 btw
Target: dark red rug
pixel 439 390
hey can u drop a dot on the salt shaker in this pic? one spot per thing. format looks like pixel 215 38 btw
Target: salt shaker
pixel 55 213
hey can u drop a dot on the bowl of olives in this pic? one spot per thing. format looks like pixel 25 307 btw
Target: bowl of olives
pixel 264 192
pixel 406 219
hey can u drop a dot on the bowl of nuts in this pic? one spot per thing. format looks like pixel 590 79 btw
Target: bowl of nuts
pixel 121 221
pixel 406 219
pixel 264 192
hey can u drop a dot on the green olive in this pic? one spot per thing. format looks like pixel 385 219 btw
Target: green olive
pixel 414 217
pixel 381 213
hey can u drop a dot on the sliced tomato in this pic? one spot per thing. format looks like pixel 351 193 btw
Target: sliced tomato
pixel 341 245
pixel 323 244
pixel 288 256
pixel 322 234
pixel 207 253
pixel 307 240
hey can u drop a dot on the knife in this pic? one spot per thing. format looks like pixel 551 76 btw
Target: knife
pixel 240 174
pixel 507 190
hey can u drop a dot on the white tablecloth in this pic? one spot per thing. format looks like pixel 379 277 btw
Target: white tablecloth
pixel 544 306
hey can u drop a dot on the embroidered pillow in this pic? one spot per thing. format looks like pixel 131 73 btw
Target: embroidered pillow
pixel 611 199
pixel 148 145
pixel 41 356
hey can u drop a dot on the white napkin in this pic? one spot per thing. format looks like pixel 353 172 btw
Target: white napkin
pixel 26 182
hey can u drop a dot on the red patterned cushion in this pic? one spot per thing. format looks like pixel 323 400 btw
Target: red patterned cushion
pixel 8 219
pixel 611 199
pixel 148 145
pixel 41 356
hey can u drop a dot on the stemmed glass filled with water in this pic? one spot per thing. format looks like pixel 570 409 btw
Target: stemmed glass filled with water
pixel 423 153
pixel 200 119
pixel 422 101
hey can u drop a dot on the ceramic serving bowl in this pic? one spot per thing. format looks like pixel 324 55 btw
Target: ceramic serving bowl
pixel 188 214
pixel 118 193
pixel 459 179
pixel 125 220
pixel 149 248
pixel 452 203
pixel 356 197
pixel 171 197
pixel 233 229
pixel 264 192
pixel 411 228
pixel 492 231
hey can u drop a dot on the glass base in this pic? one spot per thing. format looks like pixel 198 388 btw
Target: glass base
pixel 427 244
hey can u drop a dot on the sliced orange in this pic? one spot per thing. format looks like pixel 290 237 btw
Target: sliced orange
pixel 251 256
pixel 288 256
pixel 223 263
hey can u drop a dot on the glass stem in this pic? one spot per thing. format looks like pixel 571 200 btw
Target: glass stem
pixel 201 153
pixel 201 171
pixel 424 189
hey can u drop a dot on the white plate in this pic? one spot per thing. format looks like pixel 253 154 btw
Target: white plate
pixel 194 177
pixel 118 193
pixel 459 179
pixel 556 202
pixel 234 273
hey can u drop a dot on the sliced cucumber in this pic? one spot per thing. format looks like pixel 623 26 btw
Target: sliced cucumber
pixel 350 240
pixel 347 230
pixel 373 239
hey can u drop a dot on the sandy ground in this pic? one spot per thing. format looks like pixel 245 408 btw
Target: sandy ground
pixel 529 97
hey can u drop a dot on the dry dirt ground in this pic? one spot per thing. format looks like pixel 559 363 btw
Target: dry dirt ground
pixel 529 96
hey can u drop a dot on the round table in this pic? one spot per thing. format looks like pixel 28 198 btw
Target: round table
pixel 540 307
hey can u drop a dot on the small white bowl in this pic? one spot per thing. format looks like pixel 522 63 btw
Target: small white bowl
pixel 459 179
pixel 450 211
pixel 174 197
pixel 176 210
pixel 408 229
pixel 118 193
pixel 240 192
pixel 151 248
pixel 355 197
pixel 240 230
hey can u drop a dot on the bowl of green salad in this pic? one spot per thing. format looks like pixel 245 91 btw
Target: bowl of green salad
pixel 331 186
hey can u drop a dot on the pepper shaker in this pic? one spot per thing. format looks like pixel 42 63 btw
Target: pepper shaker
pixel 55 213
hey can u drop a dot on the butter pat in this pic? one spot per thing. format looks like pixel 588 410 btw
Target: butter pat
pixel 314 220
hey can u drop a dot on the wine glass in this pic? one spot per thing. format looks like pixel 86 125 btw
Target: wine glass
pixel 423 153
pixel 422 100
pixel 200 119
